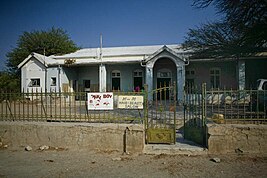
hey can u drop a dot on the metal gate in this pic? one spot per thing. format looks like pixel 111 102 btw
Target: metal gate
pixel 195 114
pixel 160 115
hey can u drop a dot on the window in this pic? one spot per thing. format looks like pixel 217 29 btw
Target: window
pixel 53 81
pixel 86 83
pixel 116 81
pixel 116 73
pixel 138 73
pixel 138 80
pixel 35 82
pixel 190 78
pixel 215 77
pixel 190 73
pixel 164 73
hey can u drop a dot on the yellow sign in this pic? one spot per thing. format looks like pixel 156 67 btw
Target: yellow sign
pixel 130 102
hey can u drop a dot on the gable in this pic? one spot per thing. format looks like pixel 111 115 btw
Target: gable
pixel 34 65
pixel 164 52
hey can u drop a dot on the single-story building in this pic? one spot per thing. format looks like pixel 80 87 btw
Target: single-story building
pixel 127 68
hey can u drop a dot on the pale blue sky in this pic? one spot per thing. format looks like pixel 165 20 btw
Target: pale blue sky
pixel 122 22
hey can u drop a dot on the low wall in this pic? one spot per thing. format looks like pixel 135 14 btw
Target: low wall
pixel 103 137
pixel 237 138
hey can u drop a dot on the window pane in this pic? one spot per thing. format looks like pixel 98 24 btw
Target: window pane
pixel 217 81
pixel 35 82
pixel 116 84
pixel 53 81
pixel 212 81
pixel 86 83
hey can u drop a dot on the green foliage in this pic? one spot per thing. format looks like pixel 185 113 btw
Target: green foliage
pixel 9 82
pixel 53 41
pixel 242 30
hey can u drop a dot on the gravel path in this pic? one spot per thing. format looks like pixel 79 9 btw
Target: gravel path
pixel 65 163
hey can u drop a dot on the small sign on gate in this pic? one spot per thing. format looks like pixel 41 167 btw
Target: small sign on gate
pixel 130 102
pixel 100 101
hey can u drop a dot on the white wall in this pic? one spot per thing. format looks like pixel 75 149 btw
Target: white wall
pixel 32 69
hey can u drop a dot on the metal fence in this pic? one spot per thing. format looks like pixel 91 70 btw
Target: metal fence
pixel 63 107
pixel 228 105
pixel 231 105
pixel 238 105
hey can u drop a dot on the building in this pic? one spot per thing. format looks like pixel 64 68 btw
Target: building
pixel 128 68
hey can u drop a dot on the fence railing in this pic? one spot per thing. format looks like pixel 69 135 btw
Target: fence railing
pixel 231 105
pixel 63 107
pixel 239 105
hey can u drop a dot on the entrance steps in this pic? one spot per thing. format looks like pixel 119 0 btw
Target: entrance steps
pixel 181 147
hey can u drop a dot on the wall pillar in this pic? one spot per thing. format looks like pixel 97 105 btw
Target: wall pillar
pixel 58 84
pixel 102 78
pixel 180 83
pixel 241 75
pixel 149 80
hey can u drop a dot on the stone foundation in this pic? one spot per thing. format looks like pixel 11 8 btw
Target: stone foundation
pixel 237 138
pixel 74 136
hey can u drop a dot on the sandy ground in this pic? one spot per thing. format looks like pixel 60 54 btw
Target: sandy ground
pixel 66 163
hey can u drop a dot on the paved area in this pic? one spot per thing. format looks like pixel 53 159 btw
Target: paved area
pixel 182 147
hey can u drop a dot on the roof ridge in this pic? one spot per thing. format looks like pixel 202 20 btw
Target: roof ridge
pixel 133 46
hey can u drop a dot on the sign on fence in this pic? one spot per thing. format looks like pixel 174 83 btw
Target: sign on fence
pixel 100 101
pixel 130 102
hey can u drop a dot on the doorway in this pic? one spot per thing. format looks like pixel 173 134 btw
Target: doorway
pixel 164 94
pixel 116 80
pixel 164 73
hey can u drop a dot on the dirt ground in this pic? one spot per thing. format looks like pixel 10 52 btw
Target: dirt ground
pixel 66 163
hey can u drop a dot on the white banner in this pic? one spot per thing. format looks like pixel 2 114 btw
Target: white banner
pixel 130 102
pixel 100 101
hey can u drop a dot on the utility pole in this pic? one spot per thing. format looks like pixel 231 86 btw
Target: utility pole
pixel 101 47
pixel 45 73
pixel 101 66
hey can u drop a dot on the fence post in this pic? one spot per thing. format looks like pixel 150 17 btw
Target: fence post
pixel 174 116
pixel 184 106
pixel 204 114
pixel 204 104
pixel 146 106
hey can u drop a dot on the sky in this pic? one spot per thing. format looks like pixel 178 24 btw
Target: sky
pixel 121 22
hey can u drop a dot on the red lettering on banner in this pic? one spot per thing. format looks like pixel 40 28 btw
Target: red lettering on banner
pixel 107 96
pixel 96 97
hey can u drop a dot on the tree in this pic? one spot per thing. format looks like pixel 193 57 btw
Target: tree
pixel 213 40
pixel 53 41
pixel 8 82
pixel 245 22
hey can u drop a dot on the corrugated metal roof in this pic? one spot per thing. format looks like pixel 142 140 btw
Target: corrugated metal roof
pixel 41 58
pixel 118 51
pixel 109 55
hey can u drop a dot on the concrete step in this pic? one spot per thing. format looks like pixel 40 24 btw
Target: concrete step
pixel 182 147
pixel 178 148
